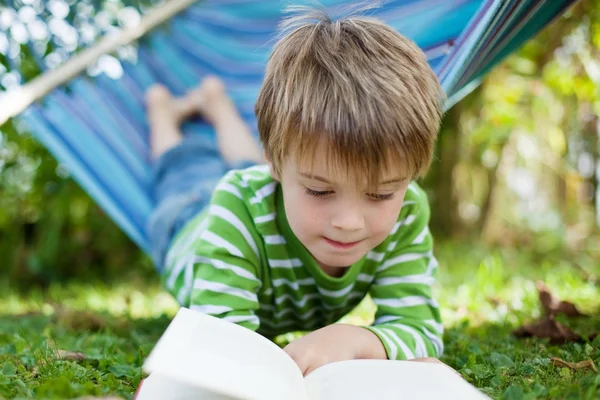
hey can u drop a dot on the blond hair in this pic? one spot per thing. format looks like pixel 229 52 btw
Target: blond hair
pixel 356 84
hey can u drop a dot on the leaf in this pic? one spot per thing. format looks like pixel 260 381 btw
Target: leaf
pixel 514 392
pixel 554 306
pixel 587 364
pixel 548 327
pixel 501 360
pixel 121 370
pixel 9 369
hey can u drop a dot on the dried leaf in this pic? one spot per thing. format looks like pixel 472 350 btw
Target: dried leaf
pixel 69 355
pixel 548 327
pixel 79 320
pixel 587 364
pixel 554 306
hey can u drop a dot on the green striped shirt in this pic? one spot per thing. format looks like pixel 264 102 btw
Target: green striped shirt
pixel 240 261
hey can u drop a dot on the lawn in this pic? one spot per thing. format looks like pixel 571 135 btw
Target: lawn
pixel 79 339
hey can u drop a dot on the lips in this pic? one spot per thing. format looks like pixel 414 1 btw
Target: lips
pixel 341 245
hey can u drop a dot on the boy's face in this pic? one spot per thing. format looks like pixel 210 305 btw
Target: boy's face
pixel 336 220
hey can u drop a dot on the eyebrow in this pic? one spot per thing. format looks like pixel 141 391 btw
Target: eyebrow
pixel 321 179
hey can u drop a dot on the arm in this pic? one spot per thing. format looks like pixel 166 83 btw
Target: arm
pixel 407 320
pixel 213 267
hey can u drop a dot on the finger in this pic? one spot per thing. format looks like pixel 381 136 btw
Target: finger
pixel 300 361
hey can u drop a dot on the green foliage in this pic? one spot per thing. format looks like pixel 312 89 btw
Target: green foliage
pixel 484 295
pixel 50 228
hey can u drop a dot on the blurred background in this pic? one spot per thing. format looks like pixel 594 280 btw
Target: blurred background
pixel 517 164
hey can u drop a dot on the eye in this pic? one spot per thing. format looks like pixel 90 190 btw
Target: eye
pixel 381 197
pixel 317 193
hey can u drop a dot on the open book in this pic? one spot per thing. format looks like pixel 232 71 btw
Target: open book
pixel 203 357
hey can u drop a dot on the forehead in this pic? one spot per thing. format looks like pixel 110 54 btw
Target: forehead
pixel 321 170
pixel 356 166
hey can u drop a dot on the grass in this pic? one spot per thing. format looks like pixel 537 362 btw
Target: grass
pixel 484 296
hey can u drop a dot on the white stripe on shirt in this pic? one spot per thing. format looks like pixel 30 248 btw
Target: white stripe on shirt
pixel 242 318
pixel 274 239
pixel 405 349
pixel 203 284
pixel 336 293
pixel 423 279
pixel 420 348
pixel 230 217
pixel 228 187
pixel 218 241
pixel 263 192
pixel 285 263
pixel 293 284
pixel 421 236
pixel 408 301
pixel 239 271
pixel 298 303
pixel 406 221
pixel 264 218
pixel 402 258
pixel 210 309
pixel 375 256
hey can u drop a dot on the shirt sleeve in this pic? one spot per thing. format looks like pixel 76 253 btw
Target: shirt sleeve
pixel 407 320
pixel 213 266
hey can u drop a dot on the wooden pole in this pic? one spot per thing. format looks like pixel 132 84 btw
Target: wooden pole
pixel 15 101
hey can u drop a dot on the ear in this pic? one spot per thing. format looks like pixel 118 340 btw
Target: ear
pixel 269 161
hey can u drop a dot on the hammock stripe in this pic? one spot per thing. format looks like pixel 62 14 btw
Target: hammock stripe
pixel 96 126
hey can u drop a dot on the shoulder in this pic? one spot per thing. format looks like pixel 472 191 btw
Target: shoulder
pixel 229 220
pixel 415 203
pixel 250 187
pixel 414 215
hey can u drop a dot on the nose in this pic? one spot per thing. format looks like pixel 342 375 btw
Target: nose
pixel 348 217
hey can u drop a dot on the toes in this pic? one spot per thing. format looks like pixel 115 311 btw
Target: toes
pixel 213 86
pixel 158 94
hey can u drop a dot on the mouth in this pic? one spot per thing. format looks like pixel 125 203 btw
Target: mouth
pixel 341 245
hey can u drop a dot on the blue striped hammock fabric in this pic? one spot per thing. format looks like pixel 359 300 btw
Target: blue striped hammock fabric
pixel 97 126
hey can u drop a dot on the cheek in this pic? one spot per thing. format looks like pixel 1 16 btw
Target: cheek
pixel 384 218
pixel 303 213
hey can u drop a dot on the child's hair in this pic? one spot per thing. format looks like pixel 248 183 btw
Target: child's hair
pixel 355 83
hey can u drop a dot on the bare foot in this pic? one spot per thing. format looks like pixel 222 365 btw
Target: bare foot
pixel 235 139
pixel 165 114
pixel 210 100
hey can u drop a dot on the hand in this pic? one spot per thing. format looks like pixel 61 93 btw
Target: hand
pixel 337 342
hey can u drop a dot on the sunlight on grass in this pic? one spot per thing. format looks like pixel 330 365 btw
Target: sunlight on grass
pixel 484 295
pixel 134 300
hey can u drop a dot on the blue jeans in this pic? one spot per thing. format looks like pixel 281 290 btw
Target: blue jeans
pixel 183 179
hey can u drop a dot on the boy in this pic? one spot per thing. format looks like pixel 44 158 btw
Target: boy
pixel 348 114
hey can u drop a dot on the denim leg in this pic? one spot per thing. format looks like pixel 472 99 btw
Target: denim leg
pixel 183 179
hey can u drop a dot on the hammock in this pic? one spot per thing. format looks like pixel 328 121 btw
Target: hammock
pixel 97 126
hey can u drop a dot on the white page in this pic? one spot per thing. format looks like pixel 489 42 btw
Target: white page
pixel 160 387
pixel 207 352
pixel 387 380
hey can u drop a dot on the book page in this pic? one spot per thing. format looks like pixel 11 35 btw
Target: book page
pixel 160 387
pixel 218 356
pixel 387 380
